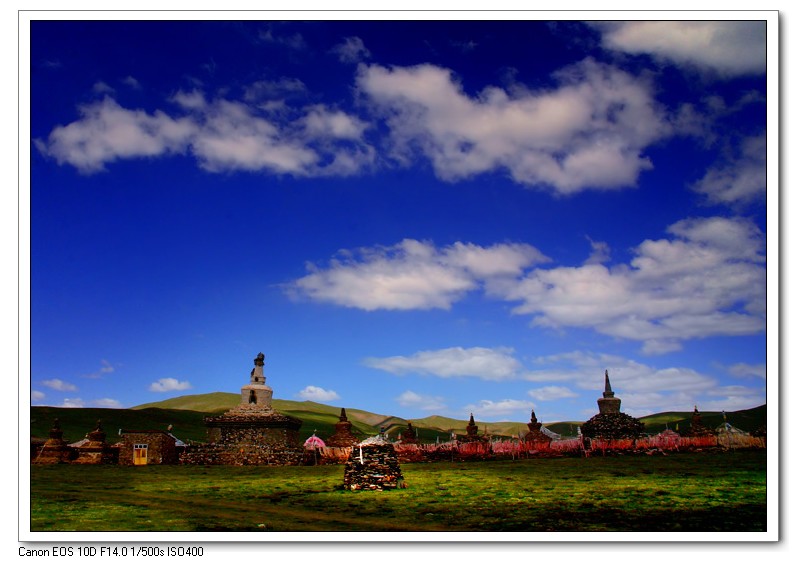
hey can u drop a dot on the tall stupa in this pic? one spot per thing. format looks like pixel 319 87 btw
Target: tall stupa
pixel 253 432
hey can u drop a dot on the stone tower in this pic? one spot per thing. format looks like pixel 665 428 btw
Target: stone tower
pixel 256 395
pixel 408 435
pixel 610 422
pixel 535 434
pixel 608 404
pixel 343 436
pixel 252 432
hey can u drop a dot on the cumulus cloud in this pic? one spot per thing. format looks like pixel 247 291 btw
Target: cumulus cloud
pixel 588 133
pixel 740 179
pixel 708 279
pixel 731 48
pixel 72 403
pixel 317 394
pixel 59 385
pixel 501 408
pixel 351 50
pixel 106 369
pixel 412 274
pixel 585 370
pixel 480 362
pixel 106 403
pixel 745 370
pixel 410 399
pixel 644 389
pixel 272 34
pixel 731 398
pixel 36 396
pixel 107 132
pixel 546 393
pixel 600 252
pixel 168 385
pixel 221 134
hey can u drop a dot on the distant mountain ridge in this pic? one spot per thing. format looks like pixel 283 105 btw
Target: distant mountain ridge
pixel 748 420
pixel 186 414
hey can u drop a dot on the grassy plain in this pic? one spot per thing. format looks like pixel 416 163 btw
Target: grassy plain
pixel 701 492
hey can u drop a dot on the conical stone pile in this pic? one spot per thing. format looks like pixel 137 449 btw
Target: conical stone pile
pixel 373 465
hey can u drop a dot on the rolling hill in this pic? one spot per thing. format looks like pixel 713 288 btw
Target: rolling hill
pixel 186 414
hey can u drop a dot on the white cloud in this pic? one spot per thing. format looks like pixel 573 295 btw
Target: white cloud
pixel 485 363
pixel 223 135
pixel 411 274
pixel 107 132
pixel 351 50
pixel 600 252
pixel 168 385
pixel 546 393
pixel 318 394
pixel 59 385
pixel 72 403
pixel 745 370
pixel 500 409
pixel 731 398
pixel 410 399
pixel 36 396
pixel 101 88
pixel 131 82
pixel 586 369
pixel 587 134
pixel 644 389
pixel 106 403
pixel 738 180
pixel 107 368
pixel 730 48
pixel 708 280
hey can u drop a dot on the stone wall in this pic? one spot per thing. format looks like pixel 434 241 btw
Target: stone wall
pixel 161 447
pixel 242 455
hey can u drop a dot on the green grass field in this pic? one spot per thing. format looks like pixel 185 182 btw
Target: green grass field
pixel 704 492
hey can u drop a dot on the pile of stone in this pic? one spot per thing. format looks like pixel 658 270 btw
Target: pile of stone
pixel 373 465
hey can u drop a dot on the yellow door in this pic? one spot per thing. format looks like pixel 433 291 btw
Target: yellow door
pixel 139 454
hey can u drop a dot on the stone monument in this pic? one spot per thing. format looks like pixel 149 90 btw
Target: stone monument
pixel 94 449
pixel 343 436
pixel 55 450
pixel 408 435
pixel 535 434
pixel 610 422
pixel 373 465
pixel 252 432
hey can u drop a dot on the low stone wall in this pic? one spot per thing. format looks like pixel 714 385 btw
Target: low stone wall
pixel 242 455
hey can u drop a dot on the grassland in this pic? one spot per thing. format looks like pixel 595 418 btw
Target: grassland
pixel 697 492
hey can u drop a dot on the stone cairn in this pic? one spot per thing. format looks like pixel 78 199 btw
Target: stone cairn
pixel 373 465
pixel 343 436
pixel 55 450
pixel 535 435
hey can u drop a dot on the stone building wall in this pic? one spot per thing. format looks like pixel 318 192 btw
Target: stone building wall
pixel 161 447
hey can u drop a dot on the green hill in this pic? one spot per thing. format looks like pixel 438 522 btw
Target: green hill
pixel 186 414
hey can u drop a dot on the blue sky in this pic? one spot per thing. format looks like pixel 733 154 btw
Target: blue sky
pixel 411 218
